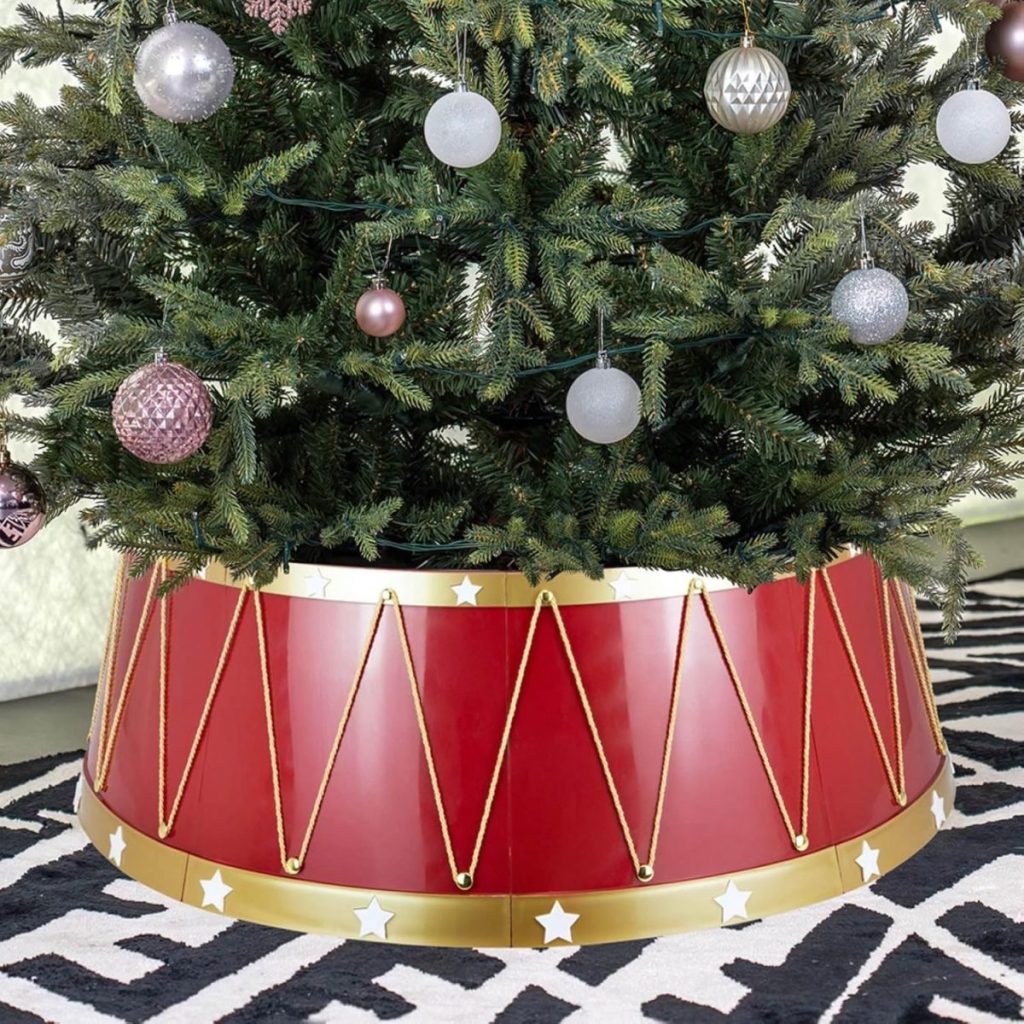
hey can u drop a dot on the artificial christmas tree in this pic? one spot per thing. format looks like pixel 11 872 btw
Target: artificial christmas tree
pixel 769 439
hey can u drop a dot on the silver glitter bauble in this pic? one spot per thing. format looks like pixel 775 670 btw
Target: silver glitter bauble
pixel 17 251
pixel 873 303
pixel 747 89
pixel 973 126
pixel 22 503
pixel 183 72
pixel 463 129
pixel 603 405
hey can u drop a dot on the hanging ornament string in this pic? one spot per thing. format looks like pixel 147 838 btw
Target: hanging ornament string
pixel 867 261
pixel 746 18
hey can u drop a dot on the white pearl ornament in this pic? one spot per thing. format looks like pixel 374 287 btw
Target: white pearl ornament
pixel 603 404
pixel 183 72
pixel 463 128
pixel 973 126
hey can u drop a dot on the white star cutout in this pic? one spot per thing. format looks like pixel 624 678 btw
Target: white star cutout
pixel 373 920
pixel 316 584
pixel 466 591
pixel 117 845
pixel 77 802
pixel 214 891
pixel 623 587
pixel 733 902
pixel 938 809
pixel 557 924
pixel 868 862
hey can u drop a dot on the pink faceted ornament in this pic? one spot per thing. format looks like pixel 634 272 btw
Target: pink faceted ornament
pixel 380 311
pixel 163 412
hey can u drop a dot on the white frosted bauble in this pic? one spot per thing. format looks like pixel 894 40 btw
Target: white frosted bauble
pixel 183 72
pixel 747 89
pixel 603 405
pixel 873 303
pixel 463 129
pixel 973 126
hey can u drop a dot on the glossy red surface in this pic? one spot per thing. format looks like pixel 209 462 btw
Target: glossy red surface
pixel 553 826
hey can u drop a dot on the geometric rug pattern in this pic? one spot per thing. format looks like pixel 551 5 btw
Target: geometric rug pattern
pixel 941 938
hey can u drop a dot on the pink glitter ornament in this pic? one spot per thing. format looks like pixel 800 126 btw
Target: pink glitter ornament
pixel 380 311
pixel 277 13
pixel 162 412
pixel 22 503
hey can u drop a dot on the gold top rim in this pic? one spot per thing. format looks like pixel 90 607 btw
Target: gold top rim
pixel 477 588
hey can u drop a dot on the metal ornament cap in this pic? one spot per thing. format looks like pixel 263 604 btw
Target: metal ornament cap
pixel 184 72
pixel 872 303
pixel 747 89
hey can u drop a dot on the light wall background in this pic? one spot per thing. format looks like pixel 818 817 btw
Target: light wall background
pixel 56 593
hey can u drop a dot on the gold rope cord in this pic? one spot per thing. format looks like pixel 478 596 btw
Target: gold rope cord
pixel 799 840
pixel 105 747
pixel 110 652
pixel 462 879
pixel 896 783
pixel 166 824
pixel 921 671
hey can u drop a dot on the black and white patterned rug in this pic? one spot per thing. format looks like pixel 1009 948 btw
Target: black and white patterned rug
pixel 941 938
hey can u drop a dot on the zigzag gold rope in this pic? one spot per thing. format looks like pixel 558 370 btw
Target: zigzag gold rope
pixel 110 651
pixel 896 783
pixel 922 673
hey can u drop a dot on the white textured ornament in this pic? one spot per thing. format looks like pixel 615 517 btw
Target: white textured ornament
pixel 183 72
pixel 872 303
pixel 603 405
pixel 463 129
pixel 973 126
pixel 17 251
pixel 747 89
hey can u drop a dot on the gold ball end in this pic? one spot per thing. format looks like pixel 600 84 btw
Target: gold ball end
pixel 464 880
pixel 163 831
pixel 645 873
pixel 293 865
pixel 800 843
pixel 387 595
pixel 901 799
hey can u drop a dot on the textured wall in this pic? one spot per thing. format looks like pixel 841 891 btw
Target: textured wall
pixel 56 594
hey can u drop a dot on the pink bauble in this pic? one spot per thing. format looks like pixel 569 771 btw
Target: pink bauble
pixel 22 504
pixel 163 412
pixel 380 312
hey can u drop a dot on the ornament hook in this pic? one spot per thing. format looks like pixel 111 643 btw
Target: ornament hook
pixel 170 13
pixel 602 352
pixel 867 261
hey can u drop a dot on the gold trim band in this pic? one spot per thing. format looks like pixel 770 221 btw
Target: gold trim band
pixel 497 921
pixel 487 588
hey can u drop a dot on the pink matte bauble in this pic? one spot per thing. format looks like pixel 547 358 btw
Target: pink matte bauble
pixel 380 312
pixel 1004 41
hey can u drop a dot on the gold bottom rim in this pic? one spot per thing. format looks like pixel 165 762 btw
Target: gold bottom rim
pixel 579 918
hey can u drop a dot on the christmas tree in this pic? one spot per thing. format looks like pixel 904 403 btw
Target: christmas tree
pixel 240 244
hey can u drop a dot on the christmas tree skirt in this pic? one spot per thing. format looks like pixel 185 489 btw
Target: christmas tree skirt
pixel 941 936
pixel 463 759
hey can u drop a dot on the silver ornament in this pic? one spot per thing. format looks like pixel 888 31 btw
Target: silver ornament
pixel 872 303
pixel 603 404
pixel 973 126
pixel 183 71
pixel 747 89
pixel 462 128
pixel 17 250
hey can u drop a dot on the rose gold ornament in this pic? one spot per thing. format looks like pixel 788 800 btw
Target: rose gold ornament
pixel 1004 41
pixel 162 412
pixel 380 312
pixel 22 503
